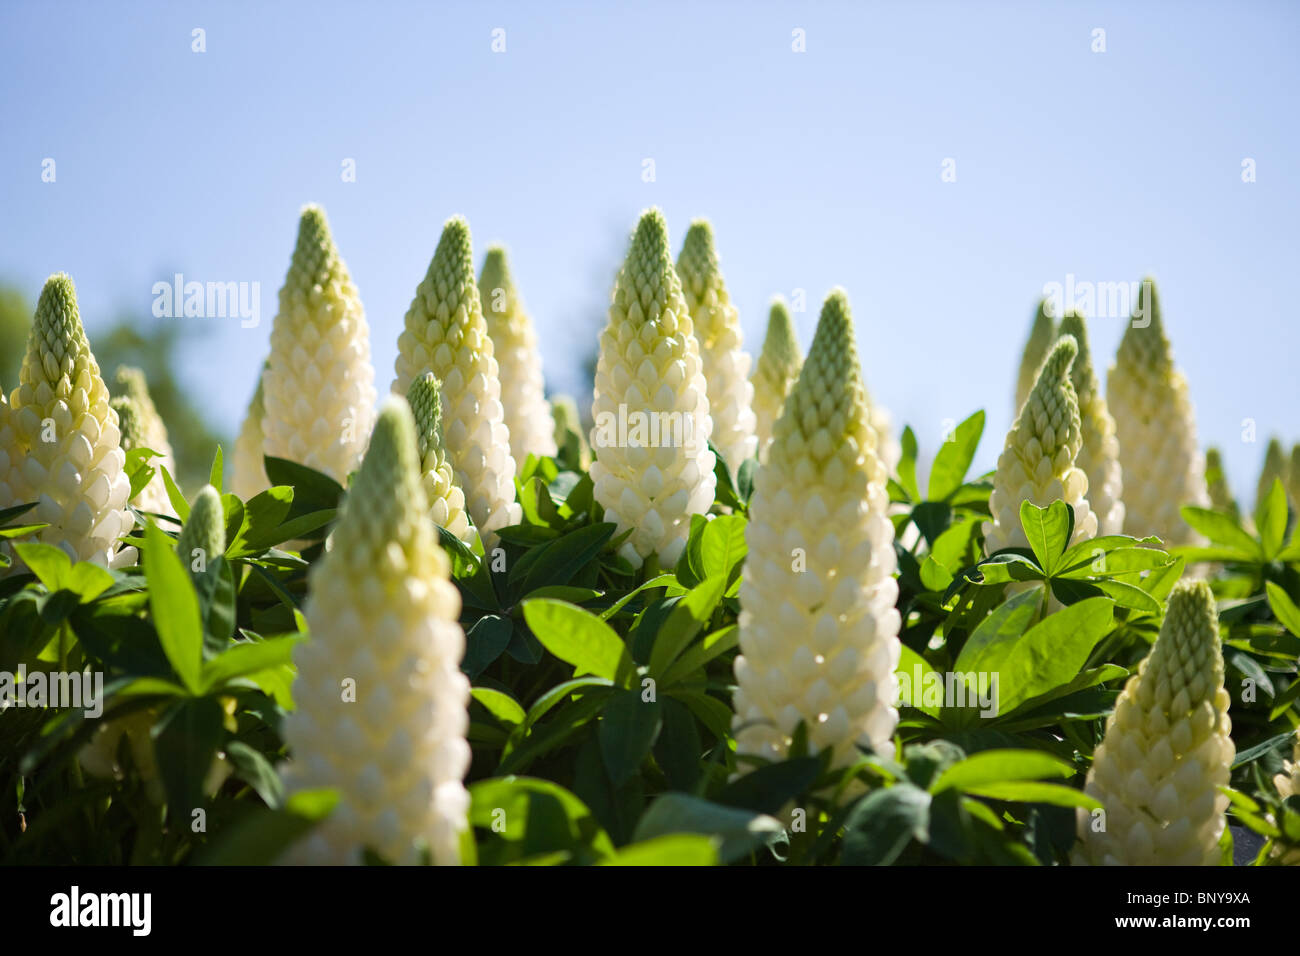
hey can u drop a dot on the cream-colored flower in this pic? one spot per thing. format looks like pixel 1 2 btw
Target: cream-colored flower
pixel 1166 751
pixel 150 432
pixel 519 363
pixel 62 445
pixel 818 626
pixel 249 472
pixel 319 385
pixel 446 500
pixel 445 333
pixel 717 329
pixel 381 714
pixel 1099 454
pixel 1156 426
pixel 1042 334
pixel 653 466
pixel 775 374
pixel 1037 463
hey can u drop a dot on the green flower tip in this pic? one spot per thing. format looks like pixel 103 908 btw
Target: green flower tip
pixel 1191 610
pixel 313 227
pixel 130 420
pixel 1074 326
pixel 391 457
pixel 205 529
pixel 56 310
pixel 1213 460
pixel 650 241
pixel 425 398
pixel 1044 321
pixel 780 341
pixel 456 246
pixel 495 274
pixel 1056 367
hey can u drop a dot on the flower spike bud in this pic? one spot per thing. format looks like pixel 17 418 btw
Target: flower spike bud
pixel 519 363
pixel 130 381
pixel 1166 751
pixel 319 385
pixel 653 466
pixel 131 425
pixel 1042 334
pixel 717 329
pixel 1037 463
pixel 203 536
pixel 1274 469
pixel 382 720
pixel 446 500
pixel 1216 484
pixel 1156 426
pixel 775 374
pixel 1099 453
pixel 249 477
pixel 446 334
pixel 818 623
pixel 63 444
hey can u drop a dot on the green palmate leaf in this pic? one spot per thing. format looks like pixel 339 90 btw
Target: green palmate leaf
pixel 771 787
pixel 1007 566
pixel 499 704
pixel 1223 529
pixel 996 635
pixel 559 692
pixel 660 580
pixel 538 507
pixel 485 642
pixel 312 490
pixel 690 570
pixel 907 465
pixel 1048 530
pixel 736 832
pixel 912 679
pixel 714 645
pixel 175 608
pixel 1051 653
pixel 560 560
pixel 50 564
pixel 576 636
pixel 540 815
pixel 138 470
pixel 178 502
pixel 1270 520
pixel 1284 609
pixel 186 739
pixel 247 658
pixel 883 823
pixel 673 850
pixel 628 730
pixel 687 619
pixel 722 547
pixel 998 766
pixel 263 514
pixel 254 769
pixel 954 458
pixel 1100 561
pixel 1052 794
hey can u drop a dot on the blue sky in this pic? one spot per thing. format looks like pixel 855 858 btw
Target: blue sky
pixel 817 168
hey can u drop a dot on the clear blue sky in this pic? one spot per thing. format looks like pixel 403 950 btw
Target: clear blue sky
pixel 817 168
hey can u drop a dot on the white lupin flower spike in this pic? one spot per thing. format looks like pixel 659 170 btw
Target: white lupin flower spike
pixel 152 433
pixel 818 626
pixel 653 466
pixel 1042 335
pixel 446 500
pixel 1156 426
pixel 318 385
pixel 775 373
pixel 130 423
pixel 1037 463
pixel 248 477
pixel 445 333
pixel 1166 751
pixel 1099 454
pixel 717 329
pixel 382 612
pixel 62 444
pixel 519 362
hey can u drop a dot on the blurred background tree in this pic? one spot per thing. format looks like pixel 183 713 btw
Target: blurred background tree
pixel 152 346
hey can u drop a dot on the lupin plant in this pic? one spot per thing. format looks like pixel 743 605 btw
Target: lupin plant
pixel 1273 469
pixel 446 500
pixel 249 471
pixel 1166 752
pixel 130 382
pixel 519 363
pixel 203 535
pixel 383 720
pixel 775 372
pixel 130 423
pixel 1099 453
pixel 569 437
pixel 1042 334
pixel 1216 484
pixel 818 626
pixel 717 329
pixel 445 333
pixel 62 443
pixel 1038 462
pixel 318 385
pixel 653 466
pixel 1156 425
